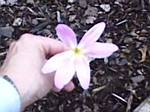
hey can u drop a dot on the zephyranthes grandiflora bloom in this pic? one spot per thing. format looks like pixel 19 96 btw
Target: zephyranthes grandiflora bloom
pixel 75 61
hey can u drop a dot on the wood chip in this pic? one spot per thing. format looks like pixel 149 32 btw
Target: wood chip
pixel 144 106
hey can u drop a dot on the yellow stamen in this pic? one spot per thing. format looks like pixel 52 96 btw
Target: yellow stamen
pixel 77 51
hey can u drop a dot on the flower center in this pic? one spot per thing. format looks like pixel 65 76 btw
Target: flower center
pixel 77 51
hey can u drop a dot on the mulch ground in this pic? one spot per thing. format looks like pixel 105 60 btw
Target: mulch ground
pixel 119 83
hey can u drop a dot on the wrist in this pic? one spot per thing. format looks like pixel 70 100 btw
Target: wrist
pixel 10 98
pixel 20 88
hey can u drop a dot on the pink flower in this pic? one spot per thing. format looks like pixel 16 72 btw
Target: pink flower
pixel 75 61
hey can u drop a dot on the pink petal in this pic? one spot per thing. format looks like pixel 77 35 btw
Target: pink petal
pixel 56 61
pixel 64 74
pixel 66 35
pixel 93 34
pixel 100 50
pixel 83 72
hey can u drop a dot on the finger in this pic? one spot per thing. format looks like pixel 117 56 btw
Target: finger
pixel 69 87
pixel 51 46
pixel 55 89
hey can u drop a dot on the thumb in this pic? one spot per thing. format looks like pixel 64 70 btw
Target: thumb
pixel 48 45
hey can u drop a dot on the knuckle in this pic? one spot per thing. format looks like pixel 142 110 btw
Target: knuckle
pixel 24 40
pixel 27 40
pixel 25 37
pixel 12 45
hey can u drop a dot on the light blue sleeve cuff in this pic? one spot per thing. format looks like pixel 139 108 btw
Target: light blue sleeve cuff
pixel 9 97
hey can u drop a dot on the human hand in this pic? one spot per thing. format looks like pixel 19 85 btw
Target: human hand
pixel 23 65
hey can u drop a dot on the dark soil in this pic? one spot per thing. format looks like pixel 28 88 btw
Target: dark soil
pixel 119 83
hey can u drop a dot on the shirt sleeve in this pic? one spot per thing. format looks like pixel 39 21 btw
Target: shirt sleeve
pixel 9 97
